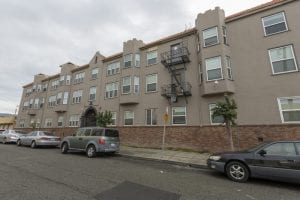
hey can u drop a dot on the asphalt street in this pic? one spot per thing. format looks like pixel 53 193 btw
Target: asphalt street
pixel 41 174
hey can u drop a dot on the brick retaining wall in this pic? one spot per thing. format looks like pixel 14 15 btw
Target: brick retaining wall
pixel 202 139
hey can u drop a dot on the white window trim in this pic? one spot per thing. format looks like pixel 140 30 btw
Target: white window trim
pixel 179 115
pixel 269 51
pixel 264 27
pixel 151 83
pixel 130 118
pixel 152 110
pixel 126 85
pixel 218 41
pixel 280 109
pixel 222 76
pixel 127 60
pixel 117 89
pixel 210 107
pixel 151 58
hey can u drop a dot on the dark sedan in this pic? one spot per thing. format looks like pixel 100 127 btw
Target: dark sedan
pixel 274 160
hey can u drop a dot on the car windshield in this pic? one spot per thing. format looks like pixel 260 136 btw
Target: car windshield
pixel 255 148
pixel 111 133
pixel 46 134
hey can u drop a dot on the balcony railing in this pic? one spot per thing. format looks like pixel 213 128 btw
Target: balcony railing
pixel 175 57
pixel 174 89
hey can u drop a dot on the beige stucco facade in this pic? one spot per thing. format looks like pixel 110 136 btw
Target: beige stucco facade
pixel 241 40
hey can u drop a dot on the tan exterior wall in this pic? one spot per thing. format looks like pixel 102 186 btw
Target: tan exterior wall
pixel 254 87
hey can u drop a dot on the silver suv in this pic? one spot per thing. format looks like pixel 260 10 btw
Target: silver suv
pixel 92 140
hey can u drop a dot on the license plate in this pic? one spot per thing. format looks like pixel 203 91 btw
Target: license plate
pixel 52 139
pixel 112 145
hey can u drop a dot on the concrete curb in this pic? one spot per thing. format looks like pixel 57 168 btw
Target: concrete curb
pixel 197 166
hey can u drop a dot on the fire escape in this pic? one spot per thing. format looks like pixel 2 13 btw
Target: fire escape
pixel 175 61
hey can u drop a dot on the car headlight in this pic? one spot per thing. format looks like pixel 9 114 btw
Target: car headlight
pixel 215 158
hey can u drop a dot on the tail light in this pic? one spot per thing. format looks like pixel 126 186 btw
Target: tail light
pixel 101 141
pixel 58 139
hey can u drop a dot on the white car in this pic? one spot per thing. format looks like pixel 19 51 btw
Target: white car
pixel 39 138
pixel 11 136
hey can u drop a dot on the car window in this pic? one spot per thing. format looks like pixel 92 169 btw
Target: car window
pixel 111 133
pixel 97 132
pixel 21 132
pixel 284 148
pixel 298 147
pixel 80 132
pixel 33 133
pixel 87 132
pixel 44 133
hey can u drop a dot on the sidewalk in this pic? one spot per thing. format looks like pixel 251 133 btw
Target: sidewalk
pixel 192 159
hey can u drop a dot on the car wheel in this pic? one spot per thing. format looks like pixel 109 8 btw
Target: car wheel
pixel 33 144
pixel 237 171
pixel 64 148
pixel 19 143
pixel 4 141
pixel 91 151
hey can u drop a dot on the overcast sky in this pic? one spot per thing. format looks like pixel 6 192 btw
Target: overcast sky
pixel 36 36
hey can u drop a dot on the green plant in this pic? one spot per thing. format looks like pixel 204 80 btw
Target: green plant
pixel 228 111
pixel 104 118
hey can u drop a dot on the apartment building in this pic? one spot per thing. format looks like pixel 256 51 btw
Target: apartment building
pixel 252 56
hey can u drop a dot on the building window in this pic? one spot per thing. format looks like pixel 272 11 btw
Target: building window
pixel 52 101
pixel 39 88
pixel 210 36
pixel 93 91
pixel 59 98
pixel 114 119
pixel 42 102
pixel 54 84
pixel 95 73
pixel 224 35
pixel 178 115
pixel 151 58
pixel 48 122
pixel 289 108
pixel 228 66
pixel 127 60
pixel 151 117
pixel 126 85
pixel 36 103
pixel 213 68
pixel 28 92
pixel 31 103
pixel 274 24
pixel 25 105
pixel 128 118
pixel 77 96
pixel 136 85
pixel 74 121
pixel 45 86
pixel 62 80
pixel 137 59
pixel 216 119
pixel 111 90
pixel 68 79
pixel 22 123
pixel 60 121
pixel 151 83
pixel 79 78
pixel 283 59
pixel 33 88
pixel 113 68
pixel 66 96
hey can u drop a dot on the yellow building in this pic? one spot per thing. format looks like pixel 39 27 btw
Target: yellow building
pixel 7 122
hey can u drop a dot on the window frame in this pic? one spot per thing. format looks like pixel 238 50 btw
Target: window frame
pixel 127 59
pixel 94 90
pixel 294 57
pixel 264 27
pixel 153 117
pixel 221 68
pixel 210 107
pixel 126 111
pixel 93 74
pixel 113 86
pixel 130 80
pixel 217 32
pixel 185 115
pixel 113 66
pixel 156 58
pixel 281 111
pixel 149 75
pixel 60 119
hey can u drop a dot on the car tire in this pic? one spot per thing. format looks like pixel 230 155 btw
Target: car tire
pixel 237 171
pixel 4 141
pixel 91 151
pixel 64 148
pixel 33 144
pixel 19 143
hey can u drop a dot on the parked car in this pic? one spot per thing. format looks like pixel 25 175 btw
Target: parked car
pixel 39 138
pixel 92 140
pixel 273 160
pixel 11 136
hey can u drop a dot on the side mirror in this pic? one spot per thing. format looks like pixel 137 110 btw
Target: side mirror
pixel 262 152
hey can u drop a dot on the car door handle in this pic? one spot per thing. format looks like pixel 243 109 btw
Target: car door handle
pixel 80 138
